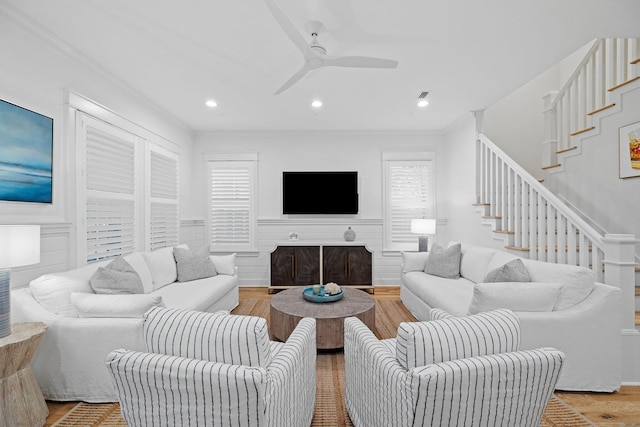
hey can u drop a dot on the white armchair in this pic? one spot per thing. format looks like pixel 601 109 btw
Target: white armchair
pixel 216 369
pixel 464 371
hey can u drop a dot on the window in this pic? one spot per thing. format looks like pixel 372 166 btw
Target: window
pixel 127 192
pixel 232 207
pixel 409 192
pixel 110 190
pixel 163 199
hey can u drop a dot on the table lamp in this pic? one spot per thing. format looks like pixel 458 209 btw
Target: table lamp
pixel 19 245
pixel 422 227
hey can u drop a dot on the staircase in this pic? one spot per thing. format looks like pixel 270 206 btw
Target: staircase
pixel 532 221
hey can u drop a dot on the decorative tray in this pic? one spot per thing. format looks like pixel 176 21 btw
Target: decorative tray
pixel 322 296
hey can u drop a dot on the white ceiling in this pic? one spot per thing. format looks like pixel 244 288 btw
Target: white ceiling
pixel 467 53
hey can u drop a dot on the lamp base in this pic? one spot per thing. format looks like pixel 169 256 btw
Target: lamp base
pixel 423 244
pixel 5 299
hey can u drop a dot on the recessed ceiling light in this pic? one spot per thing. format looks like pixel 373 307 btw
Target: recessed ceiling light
pixel 211 103
pixel 422 100
pixel 316 103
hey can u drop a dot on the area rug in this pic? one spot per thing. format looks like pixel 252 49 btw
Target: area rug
pixel 557 414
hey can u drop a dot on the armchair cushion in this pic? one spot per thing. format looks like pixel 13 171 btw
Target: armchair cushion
pixel 424 343
pixel 173 391
pixel 217 337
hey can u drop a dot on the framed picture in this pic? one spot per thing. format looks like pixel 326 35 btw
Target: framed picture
pixel 629 150
pixel 26 155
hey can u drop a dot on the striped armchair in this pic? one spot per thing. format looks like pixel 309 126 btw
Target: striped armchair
pixel 463 371
pixel 216 369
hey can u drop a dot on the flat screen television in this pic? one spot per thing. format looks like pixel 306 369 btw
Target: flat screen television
pixel 319 193
pixel 26 155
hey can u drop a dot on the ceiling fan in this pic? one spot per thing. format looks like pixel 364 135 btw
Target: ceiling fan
pixel 315 55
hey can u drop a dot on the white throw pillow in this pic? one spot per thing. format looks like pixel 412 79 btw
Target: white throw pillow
pixel 413 261
pixel 225 264
pixel 474 262
pixel 53 290
pixel 136 260
pixel 515 296
pixel 577 282
pixel 105 305
pixel 162 265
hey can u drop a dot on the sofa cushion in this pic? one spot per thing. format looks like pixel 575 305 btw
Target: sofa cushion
pixel 53 290
pixel 577 282
pixel 101 305
pixel 216 337
pixel 444 262
pixel 136 260
pixel 425 343
pixel 516 296
pixel 475 261
pixel 414 261
pixel 513 271
pixel 198 294
pixel 225 264
pixel 117 277
pixel 162 265
pixel 451 295
pixel 193 265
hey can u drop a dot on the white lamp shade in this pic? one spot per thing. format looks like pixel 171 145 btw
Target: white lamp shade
pixel 423 226
pixel 19 245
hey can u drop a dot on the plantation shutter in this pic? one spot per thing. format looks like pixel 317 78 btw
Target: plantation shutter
pixel 232 205
pixel 409 194
pixel 110 215
pixel 163 199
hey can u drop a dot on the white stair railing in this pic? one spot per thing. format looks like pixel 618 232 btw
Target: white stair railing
pixel 609 65
pixel 546 229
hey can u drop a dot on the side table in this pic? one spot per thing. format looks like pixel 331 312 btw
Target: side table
pixel 21 401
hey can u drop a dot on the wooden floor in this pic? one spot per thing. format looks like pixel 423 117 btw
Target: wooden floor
pixel 620 409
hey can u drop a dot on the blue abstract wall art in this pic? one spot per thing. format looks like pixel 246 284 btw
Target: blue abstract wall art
pixel 26 155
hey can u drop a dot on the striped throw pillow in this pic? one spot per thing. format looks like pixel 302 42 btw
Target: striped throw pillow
pixel 425 343
pixel 216 337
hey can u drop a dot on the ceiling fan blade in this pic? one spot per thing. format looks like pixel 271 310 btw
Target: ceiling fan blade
pixel 288 28
pixel 359 62
pixel 297 76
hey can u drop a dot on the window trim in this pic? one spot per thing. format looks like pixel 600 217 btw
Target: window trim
pixel 417 156
pixel 249 158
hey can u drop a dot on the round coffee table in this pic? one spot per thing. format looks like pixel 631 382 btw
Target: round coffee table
pixel 288 307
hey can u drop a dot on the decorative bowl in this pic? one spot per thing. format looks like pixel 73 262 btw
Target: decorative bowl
pixel 322 296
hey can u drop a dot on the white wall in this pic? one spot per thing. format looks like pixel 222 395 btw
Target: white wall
pixel 516 123
pixel 36 72
pixel 313 151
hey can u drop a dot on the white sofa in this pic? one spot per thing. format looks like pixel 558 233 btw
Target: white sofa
pixel 83 327
pixel 578 315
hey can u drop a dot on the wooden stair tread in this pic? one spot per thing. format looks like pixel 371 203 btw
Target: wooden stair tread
pixel 638 291
pixel 600 109
pixel 582 131
pixel 623 84
pixel 481 204
pixel 567 149
pixel 504 231
pixel 491 217
pixel 637 318
pixel 557 165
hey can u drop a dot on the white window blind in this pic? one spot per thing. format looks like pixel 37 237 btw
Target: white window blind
pixel 232 205
pixel 409 194
pixel 110 185
pixel 163 199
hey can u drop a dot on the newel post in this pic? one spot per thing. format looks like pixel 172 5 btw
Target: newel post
pixel 550 143
pixel 619 260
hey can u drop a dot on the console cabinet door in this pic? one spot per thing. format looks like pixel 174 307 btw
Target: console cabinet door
pixel 347 265
pixel 295 266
